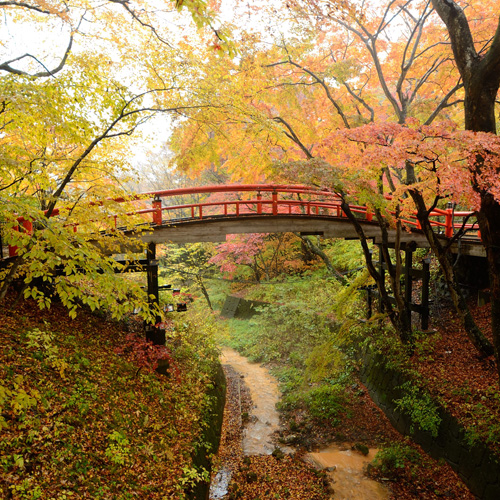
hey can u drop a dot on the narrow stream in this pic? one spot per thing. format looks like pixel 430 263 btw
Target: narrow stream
pixel 264 419
pixel 345 470
pixel 344 467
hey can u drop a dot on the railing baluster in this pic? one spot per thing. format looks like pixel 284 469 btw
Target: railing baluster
pixel 449 223
pixel 157 218
pixel 275 203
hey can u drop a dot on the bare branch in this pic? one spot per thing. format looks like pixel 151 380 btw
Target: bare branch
pixel 384 22
pixel 444 103
pixel 293 136
pixel 360 100
pixel 106 134
pixel 136 17
pixel 370 41
pixel 6 66
pixel 24 5
pixel 326 89
pixel 406 63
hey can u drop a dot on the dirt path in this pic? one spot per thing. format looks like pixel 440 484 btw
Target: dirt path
pixel 264 418
pixel 343 467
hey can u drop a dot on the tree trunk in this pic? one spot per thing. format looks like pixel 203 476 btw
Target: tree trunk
pixel 398 316
pixel 481 77
pixel 474 333
pixel 11 274
pixel 489 224
pixel 479 104
pixel 316 250
pixel 199 279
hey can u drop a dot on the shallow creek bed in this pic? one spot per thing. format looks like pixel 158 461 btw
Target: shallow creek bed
pixel 251 465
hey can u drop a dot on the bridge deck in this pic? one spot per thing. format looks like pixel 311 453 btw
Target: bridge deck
pixel 210 213
pixel 216 228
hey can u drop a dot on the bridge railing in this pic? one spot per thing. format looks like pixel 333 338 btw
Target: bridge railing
pixel 278 202
pixel 253 199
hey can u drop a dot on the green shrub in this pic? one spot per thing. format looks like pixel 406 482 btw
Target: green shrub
pixel 325 360
pixel 327 401
pixel 290 378
pixel 118 450
pixel 421 409
pixel 396 456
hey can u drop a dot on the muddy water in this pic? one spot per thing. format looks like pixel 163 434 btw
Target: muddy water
pixel 264 419
pixel 344 467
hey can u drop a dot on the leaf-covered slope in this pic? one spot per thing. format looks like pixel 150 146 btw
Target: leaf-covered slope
pixel 80 420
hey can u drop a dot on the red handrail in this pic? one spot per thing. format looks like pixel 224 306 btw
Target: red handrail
pixel 326 203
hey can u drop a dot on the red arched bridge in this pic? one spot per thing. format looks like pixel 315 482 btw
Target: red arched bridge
pixel 209 213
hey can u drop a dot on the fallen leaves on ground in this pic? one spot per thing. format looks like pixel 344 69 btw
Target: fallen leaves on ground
pixel 465 382
pixel 81 421
pixel 267 477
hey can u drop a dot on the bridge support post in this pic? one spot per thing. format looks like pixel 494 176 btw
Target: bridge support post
pixel 424 315
pixel 408 281
pixel 381 270
pixel 409 274
pixel 153 334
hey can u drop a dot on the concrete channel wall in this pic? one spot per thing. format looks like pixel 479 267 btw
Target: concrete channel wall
pixel 236 307
pixel 476 464
pixel 211 434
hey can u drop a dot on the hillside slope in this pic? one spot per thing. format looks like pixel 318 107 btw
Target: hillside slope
pixel 83 415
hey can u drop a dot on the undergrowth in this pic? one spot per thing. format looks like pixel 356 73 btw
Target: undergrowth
pixel 79 420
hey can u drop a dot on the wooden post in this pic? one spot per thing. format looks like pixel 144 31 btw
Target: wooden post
pixel 424 315
pixel 408 281
pixel 275 202
pixel 369 300
pixel 157 215
pixel 382 274
pixel 448 229
pixel 153 334
pixel 449 226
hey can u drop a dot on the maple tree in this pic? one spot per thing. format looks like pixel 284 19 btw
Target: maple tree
pixel 262 256
pixel 406 89
pixel 66 142
pixel 479 64
pixel 343 64
pixel 98 22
